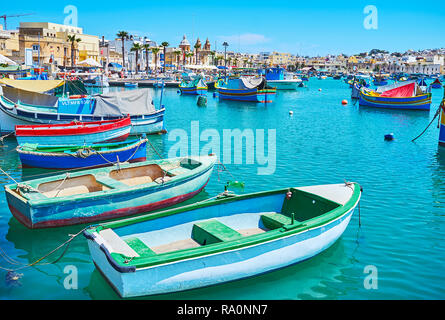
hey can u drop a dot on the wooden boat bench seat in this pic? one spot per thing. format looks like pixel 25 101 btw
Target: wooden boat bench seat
pixel 213 231
pixel 111 183
pixel 274 221
pixel 139 246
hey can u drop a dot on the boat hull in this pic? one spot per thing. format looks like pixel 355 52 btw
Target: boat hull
pixel 10 117
pixel 283 84
pixel 106 204
pixel 253 95
pixel 193 90
pixel 222 267
pixel 442 128
pixel 116 135
pixel 63 161
pixel 422 102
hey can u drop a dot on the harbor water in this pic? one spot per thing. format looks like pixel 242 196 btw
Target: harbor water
pixel 402 211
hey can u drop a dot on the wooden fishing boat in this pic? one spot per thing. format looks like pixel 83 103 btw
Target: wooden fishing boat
pixel 404 95
pixel 74 133
pixel 247 89
pixel 380 81
pixel 442 123
pixel 193 87
pixel 280 80
pixel 436 84
pixel 20 107
pixel 109 192
pixel 73 157
pixel 217 241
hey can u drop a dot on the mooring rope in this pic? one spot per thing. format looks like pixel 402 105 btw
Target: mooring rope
pixel 36 262
pixel 5 136
pixel 20 185
pixel 155 149
pixel 441 106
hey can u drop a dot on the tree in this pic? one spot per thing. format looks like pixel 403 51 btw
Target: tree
pixel 147 49
pixel 177 53
pixel 73 40
pixel 123 35
pixel 165 44
pixel 155 52
pixel 196 46
pixel 136 48
pixel 212 54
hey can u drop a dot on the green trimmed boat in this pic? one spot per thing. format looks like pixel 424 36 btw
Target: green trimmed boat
pixel 220 240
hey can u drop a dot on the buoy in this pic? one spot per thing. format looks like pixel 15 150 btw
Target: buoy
pixel 179 91
pixel 202 101
pixel 319 89
pixel 344 102
pixel 291 112
pixel 389 137
pixel 214 94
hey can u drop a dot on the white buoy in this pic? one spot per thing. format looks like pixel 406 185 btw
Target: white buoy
pixel 291 112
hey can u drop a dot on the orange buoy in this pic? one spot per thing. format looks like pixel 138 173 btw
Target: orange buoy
pixel 344 102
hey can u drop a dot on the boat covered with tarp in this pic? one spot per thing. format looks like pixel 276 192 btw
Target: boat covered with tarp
pixel 109 192
pixel 403 95
pixel 253 89
pixel 33 155
pixel 30 102
pixel 221 240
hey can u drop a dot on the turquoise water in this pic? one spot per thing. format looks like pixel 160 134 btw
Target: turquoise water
pixel 402 207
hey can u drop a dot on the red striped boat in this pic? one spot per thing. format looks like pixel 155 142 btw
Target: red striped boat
pixel 74 133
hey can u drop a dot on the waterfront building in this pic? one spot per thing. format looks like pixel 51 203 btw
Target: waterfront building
pixel 9 43
pixel 50 44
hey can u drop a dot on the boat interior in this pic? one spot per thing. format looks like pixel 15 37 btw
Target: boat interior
pixel 115 179
pixel 217 224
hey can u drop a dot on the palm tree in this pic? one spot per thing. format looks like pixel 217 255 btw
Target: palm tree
pixel 73 40
pixel 146 48
pixel 123 35
pixel 189 55
pixel 155 52
pixel 212 54
pixel 177 53
pixel 165 44
pixel 136 48
pixel 196 46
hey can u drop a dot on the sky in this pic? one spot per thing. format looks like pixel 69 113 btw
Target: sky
pixel 299 27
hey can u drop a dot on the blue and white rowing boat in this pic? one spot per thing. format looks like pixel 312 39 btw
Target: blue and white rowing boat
pixel 218 241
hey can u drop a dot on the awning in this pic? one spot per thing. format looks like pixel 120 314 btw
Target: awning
pixel 5 60
pixel 89 62
pixel 33 85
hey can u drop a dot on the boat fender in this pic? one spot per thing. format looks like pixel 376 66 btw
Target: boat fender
pixel 288 195
pixel 114 264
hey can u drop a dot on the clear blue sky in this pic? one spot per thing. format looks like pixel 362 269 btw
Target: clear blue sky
pixel 297 27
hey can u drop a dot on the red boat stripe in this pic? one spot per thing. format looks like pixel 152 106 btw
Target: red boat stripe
pixel 73 128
